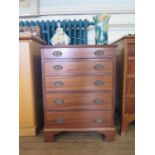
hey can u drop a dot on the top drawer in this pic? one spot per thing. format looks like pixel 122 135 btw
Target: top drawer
pixel 50 53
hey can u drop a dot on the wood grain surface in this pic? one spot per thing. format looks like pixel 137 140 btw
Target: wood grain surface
pixel 79 89
pixel 78 101
pixel 78 67
pixel 78 83
pixel 79 119
pixel 79 53
pixel 126 79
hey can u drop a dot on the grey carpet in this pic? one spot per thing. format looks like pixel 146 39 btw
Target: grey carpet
pixel 74 143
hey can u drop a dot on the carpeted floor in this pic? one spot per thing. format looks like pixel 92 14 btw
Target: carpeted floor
pixel 85 143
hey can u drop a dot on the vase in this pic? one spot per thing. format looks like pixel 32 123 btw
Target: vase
pixel 101 28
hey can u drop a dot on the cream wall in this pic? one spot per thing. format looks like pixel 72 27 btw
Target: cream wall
pixel 122 13
pixel 85 6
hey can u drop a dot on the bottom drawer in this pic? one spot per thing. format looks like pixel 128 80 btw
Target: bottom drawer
pixel 80 119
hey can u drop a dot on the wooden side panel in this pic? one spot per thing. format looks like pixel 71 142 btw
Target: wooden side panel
pixel 129 105
pixel 26 99
pixel 131 49
pixel 119 76
pixel 131 67
pixel 30 88
pixel 37 81
pixel 127 90
pixel 130 86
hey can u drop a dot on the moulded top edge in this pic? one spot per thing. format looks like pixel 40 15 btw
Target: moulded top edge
pixel 79 46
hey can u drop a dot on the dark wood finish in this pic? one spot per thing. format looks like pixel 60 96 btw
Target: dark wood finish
pixel 107 133
pixel 62 83
pixel 129 105
pixel 50 136
pixel 78 89
pixel 131 49
pixel 78 53
pixel 78 46
pixel 79 101
pixel 78 119
pixel 131 67
pixel 126 76
pixel 78 67
pixel 130 86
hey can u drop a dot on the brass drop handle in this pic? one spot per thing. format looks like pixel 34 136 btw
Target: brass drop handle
pixel 98 67
pixel 57 53
pixel 99 101
pixel 59 101
pixel 57 67
pixel 99 83
pixel 99 53
pixel 59 121
pixel 58 83
pixel 99 120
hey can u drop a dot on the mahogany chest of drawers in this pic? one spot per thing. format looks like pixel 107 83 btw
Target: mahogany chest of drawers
pixel 126 79
pixel 78 89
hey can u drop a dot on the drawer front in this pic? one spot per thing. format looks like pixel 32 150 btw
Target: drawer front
pixel 78 53
pixel 79 101
pixel 80 67
pixel 71 83
pixel 77 119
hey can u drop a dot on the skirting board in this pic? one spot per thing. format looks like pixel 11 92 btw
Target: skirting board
pixel 29 131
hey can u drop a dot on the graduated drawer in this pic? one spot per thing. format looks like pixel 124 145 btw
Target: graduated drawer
pixel 78 53
pixel 79 101
pixel 78 119
pixel 79 67
pixel 77 83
